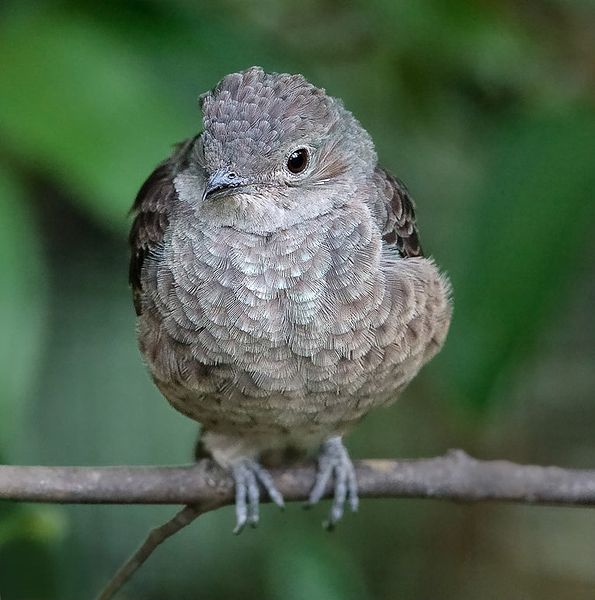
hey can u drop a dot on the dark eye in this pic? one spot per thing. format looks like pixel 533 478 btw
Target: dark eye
pixel 297 161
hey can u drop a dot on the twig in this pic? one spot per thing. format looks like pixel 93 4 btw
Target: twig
pixel 156 536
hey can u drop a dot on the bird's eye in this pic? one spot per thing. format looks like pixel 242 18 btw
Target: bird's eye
pixel 298 161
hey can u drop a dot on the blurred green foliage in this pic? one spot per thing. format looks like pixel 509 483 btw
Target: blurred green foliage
pixel 486 109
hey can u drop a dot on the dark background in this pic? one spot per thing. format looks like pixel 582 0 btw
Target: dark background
pixel 485 109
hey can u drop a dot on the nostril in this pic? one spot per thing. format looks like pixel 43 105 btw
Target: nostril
pixel 232 175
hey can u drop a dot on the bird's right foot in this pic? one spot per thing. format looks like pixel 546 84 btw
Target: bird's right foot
pixel 248 475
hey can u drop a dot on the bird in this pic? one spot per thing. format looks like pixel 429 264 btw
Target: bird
pixel 279 283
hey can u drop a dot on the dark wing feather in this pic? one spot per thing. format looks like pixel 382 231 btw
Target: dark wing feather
pixel 395 213
pixel 151 210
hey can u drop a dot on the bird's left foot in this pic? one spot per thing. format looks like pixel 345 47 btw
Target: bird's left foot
pixel 333 460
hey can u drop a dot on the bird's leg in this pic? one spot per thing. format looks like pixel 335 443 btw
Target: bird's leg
pixel 248 474
pixel 333 460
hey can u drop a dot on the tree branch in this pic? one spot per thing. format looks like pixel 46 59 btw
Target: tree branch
pixel 454 476
pixel 204 487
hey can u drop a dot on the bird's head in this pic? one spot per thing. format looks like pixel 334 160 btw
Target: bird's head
pixel 274 150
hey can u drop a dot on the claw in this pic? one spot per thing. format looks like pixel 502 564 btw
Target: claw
pixel 334 460
pixel 248 474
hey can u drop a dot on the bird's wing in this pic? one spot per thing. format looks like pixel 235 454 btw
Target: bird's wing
pixel 151 210
pixel 394 211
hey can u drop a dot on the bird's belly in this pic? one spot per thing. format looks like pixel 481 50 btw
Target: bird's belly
pixel 277 371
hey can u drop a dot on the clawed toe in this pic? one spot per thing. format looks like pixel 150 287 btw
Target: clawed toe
pixel 334 461
pixel 248 474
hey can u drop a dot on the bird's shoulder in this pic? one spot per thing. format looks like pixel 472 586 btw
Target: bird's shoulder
pixel 151 214
pixel 394 210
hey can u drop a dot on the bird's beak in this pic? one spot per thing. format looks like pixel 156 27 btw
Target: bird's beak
pixel 219 183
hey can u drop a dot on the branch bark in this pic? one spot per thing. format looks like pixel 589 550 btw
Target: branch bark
pixel 454 476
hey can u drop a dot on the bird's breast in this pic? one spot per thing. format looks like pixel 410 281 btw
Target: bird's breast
pixel 290 308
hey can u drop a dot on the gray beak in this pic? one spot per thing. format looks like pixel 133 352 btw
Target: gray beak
pixel 221 182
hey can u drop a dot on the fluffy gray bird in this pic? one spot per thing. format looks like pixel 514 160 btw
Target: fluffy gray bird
pixel 279 282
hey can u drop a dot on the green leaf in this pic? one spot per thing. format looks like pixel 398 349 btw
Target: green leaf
pixel 23 304
pixel 28 537
pixel 534 217
pixel 78 104
pixel 39 524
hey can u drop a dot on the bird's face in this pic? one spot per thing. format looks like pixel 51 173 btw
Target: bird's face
pixel 274 151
